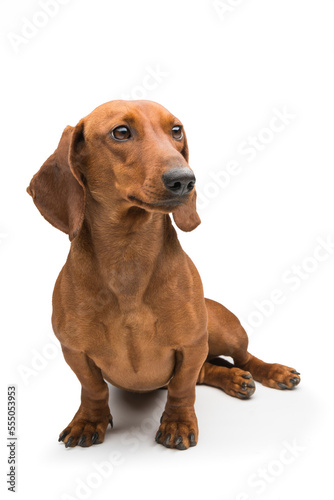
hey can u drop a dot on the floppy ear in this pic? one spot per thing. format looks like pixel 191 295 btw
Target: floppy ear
pixel 58 190
pixel 185 216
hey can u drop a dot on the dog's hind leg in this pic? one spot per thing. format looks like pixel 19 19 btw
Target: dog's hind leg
pixel 220 373
pixel 228 338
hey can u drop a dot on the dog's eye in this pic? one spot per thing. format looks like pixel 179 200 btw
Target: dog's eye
pixel 121 133
pixel 177 132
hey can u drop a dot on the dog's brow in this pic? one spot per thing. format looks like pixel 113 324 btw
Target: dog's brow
pixel 163 122
pixel 126 117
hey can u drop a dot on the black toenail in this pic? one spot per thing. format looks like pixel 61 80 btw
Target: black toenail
pixel 181 446
pixel 63 435
pixel 82 441
pixel 158 436
pixel 111 422
pixel 294 371
pixel 178 440
pixel 95 437
pixel 242 396
pixel 282 386
pixel 192 441
pixel 167 441
pixel 246 375
pixel 69 442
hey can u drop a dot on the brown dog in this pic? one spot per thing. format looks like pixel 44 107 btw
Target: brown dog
pixel 128 305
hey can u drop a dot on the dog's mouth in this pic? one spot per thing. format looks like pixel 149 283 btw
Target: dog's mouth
pixel 166 204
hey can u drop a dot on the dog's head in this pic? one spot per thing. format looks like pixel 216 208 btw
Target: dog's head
pixel 125 153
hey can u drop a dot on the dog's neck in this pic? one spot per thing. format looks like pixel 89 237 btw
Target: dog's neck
pixel 128 246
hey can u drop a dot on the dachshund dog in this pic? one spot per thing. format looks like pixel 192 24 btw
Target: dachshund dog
pixel 128 305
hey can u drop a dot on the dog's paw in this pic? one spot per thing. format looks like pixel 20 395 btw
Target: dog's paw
pixel 82 432
pixel 238 383
pixel 281 377
pixel 176 433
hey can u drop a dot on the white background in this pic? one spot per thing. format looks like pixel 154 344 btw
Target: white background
pixel 224 76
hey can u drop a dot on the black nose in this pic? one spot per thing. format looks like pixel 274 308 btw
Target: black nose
pixel 179 180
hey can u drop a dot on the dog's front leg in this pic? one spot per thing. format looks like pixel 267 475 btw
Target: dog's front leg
pixel 178 427
pixel 90 422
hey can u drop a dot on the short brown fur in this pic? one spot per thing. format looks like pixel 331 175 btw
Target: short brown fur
pixel 128 305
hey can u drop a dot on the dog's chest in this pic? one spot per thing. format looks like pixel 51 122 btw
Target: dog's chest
pixel 132 352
